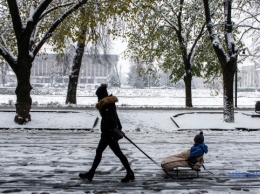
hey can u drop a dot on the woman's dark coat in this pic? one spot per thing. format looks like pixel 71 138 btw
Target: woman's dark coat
pixel 110 120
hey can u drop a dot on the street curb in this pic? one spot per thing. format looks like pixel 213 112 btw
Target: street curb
pixel 47 129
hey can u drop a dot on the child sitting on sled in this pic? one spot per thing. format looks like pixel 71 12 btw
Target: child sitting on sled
pixel 191 158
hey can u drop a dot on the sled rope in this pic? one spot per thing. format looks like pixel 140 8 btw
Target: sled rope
pixel 147 156
pixel 206 169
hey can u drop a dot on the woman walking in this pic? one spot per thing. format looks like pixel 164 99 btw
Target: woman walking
pixel 107 109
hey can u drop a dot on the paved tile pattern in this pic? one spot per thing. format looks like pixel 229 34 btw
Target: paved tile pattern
pixel 38 161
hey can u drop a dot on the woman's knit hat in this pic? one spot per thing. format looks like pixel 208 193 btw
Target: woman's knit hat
pixel 198 139
pixel 102 92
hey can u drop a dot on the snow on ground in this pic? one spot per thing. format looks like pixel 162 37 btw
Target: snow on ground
pixel 134 120
pixel 143 120
pixel 141 97
pixel 50 160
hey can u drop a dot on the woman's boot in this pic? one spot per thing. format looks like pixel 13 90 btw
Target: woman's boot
pixel 87 175
pixel 129 177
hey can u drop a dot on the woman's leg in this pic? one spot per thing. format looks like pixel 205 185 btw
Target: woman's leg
pixel 101 147
pixel 118 152
pixel 99 151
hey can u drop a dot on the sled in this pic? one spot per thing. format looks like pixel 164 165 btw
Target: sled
pixel 179 163
pixel 186 170
pixel 178 168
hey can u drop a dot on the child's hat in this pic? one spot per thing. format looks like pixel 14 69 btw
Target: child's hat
pixel 198 139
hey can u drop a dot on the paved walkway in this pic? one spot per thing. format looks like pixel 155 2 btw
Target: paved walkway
pixel 38 161
pixel 45 161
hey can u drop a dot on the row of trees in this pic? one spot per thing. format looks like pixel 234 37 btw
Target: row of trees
pixel 194 38
pixel 184 38
pixel 27 25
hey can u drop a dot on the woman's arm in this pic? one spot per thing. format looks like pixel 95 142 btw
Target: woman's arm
pixel 118 121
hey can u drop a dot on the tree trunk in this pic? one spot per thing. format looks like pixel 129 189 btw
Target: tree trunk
pixel 228 81
pixel 228 60
pixel 23 89
pixel 74 76
pixel 188 93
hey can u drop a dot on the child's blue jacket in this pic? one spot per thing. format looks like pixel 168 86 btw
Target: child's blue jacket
pixel 197 150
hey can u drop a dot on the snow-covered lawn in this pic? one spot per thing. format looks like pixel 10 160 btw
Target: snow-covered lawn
pixel 141 97
pixel 157 120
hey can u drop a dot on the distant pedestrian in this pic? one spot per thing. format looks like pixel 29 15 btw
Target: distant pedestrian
pixel 107 109
pixel 192 157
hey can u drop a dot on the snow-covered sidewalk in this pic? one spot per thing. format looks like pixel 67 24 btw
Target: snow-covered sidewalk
pixel 46 154
pixel 45 161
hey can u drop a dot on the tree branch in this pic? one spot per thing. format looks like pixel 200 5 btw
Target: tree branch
pixel 166 19
pixel 53 9
pixel 197 39
pixel 189 26
pixel 48 34
pixel 8 57
pixel 244 33
pixel 40 9
pixel 35 16
pixel 179 15
pixel 33 36
pixel 219 50
pixel 248 26
pixel 231 46
pixel 3 40
pixel 172 8
pixel 16 19
pixel 254 16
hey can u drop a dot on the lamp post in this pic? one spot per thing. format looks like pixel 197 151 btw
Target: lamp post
pixel 236 87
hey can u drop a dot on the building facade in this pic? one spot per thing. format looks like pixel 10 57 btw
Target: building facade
pixel 249 76
pixel 55 69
